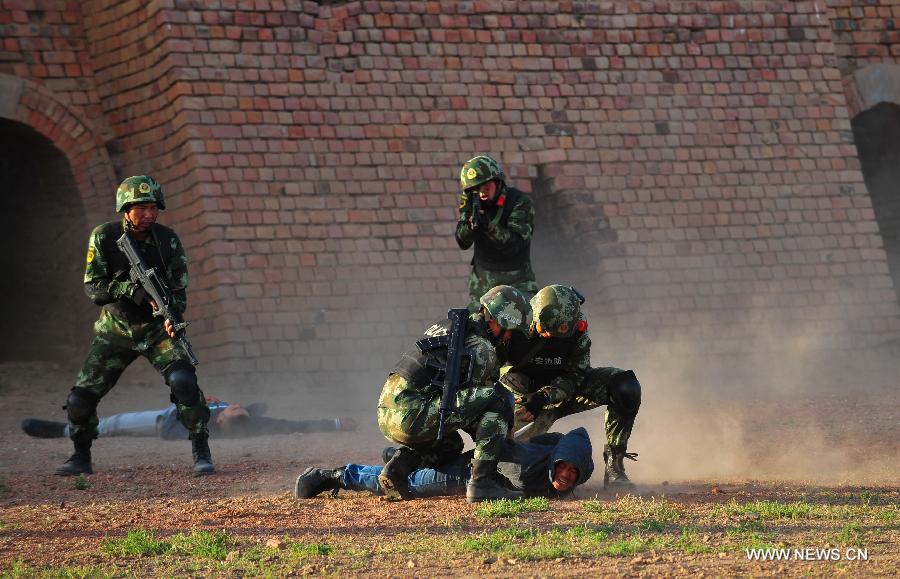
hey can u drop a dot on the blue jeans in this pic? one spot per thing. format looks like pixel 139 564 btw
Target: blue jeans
pixel 128 424
pixel 450 479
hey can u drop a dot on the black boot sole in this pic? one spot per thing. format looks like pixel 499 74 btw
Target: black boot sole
pixel 392 490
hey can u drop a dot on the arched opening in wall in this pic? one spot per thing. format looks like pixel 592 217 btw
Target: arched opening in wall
pixel 877 135
pixel 45 312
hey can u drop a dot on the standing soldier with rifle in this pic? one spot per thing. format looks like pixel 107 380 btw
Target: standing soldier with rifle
pixel 447 383
pixel 137 271
pixel 498 219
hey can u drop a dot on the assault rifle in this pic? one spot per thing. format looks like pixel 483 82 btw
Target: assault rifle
pixel 456 350
pixel 477 217
pixel 157 290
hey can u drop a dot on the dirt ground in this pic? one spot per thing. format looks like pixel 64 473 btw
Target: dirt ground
pixel 49 527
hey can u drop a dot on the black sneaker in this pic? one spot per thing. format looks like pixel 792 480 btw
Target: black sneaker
pixel 43 428
pixel 314 481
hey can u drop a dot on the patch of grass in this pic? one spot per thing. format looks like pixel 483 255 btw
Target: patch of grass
pixel 81 483
pixel 496 541
pixel 851 535
pixel 654 513
pixel 780 510
pixel 631 546
pixel 889 515
pixel 511 508
pixel 302 550
pixel 19 570
pixel 690 544
pixel 202 544
pixel 137 543
pixel 652 525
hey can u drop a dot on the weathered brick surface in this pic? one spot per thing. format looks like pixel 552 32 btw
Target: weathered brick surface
pixel 692 162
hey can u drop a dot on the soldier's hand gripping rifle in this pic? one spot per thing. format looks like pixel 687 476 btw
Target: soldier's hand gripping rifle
pixel 157 290
pixel 456 352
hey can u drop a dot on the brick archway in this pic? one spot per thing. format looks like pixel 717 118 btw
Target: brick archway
pixel 31 104
pixel 873 84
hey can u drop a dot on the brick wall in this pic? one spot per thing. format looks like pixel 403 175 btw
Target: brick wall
pixel 692 163
pixel 865 33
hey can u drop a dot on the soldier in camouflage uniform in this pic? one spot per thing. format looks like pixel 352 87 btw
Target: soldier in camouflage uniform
pixel 408 408
pixel 501 230
pixel 551 377
pixel 127 327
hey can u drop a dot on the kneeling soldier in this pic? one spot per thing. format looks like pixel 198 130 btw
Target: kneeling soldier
pixel 410 403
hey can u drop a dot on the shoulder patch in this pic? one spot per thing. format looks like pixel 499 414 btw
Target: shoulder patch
pixel 90 254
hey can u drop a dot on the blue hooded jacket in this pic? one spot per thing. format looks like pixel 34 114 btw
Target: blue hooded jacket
pixel 528 466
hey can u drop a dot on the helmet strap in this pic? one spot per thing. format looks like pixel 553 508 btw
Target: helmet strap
pixel 129 226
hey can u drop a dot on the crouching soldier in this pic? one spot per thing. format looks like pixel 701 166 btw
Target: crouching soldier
pixel 410 402
pixel 551 377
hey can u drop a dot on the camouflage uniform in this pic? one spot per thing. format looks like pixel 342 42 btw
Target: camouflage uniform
pixel 127 328
pixel 502 243
pixel 408 408
pixel 410 402
pixel 552 377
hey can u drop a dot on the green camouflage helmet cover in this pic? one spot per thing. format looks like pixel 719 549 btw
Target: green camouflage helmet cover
pixel 557 309
pixel 478 170
pixel 139 189
pixel 508 307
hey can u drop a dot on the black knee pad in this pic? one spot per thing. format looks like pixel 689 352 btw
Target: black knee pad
pixel 625 392
pixel 81 405
pixel 183 381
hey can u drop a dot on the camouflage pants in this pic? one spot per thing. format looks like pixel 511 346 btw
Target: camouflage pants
pixel 480 281
pixel 408 415
pixel 117 344
pixel 593 392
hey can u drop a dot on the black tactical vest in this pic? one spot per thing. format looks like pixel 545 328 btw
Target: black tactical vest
pixel 548 362
pixel 424 365
pixel 156 251
pixel 487 256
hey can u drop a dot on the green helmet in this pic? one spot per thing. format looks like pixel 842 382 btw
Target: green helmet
pixel 557 309
pixel 508 307
pixel 139 189
pixel 478 170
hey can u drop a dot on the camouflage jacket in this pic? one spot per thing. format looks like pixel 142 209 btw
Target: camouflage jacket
pixel 106 280
pixel 504 243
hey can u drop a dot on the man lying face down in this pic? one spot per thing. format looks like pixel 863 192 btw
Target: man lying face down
pixel 549 465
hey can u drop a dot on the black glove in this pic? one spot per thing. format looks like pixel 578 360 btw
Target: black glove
pixel 127 290
pixel 535 402
pixel 465 207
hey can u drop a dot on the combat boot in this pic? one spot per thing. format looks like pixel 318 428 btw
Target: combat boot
pixel 485 484
pixel 314 481
pixel 614 477
pixel 202 456
pixel 43 428
pixel 78 463
pixel 394 477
